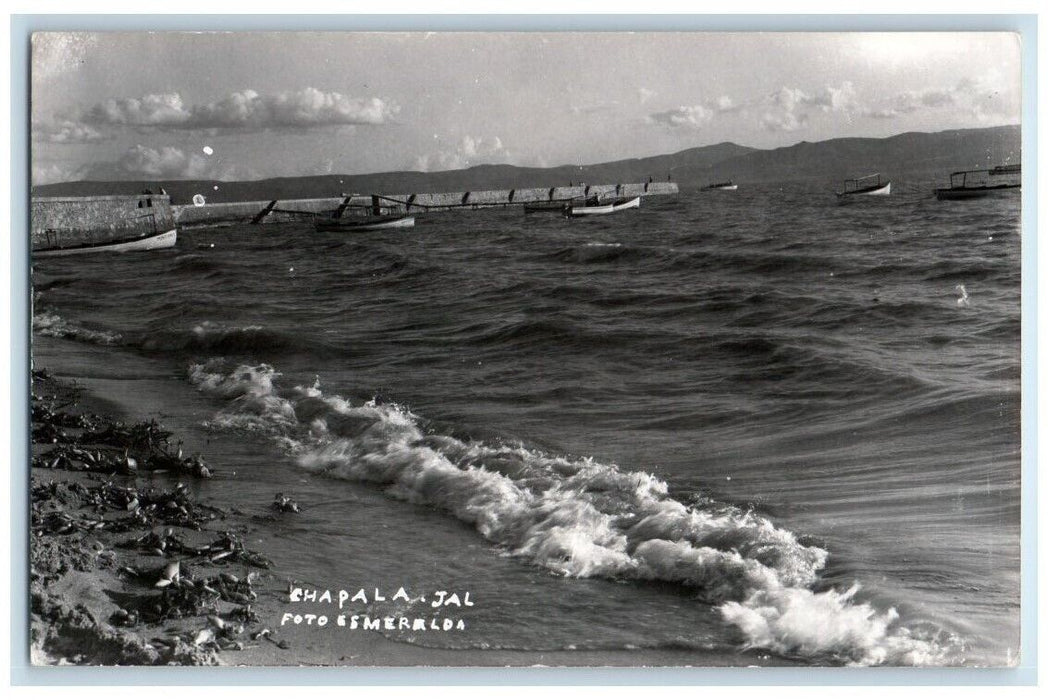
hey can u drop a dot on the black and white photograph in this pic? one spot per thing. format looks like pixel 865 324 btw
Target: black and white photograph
pixel 525 348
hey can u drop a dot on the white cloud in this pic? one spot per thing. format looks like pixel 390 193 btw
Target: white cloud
pixel 693 117
pixel 787 99
pixel 472 147
pixel 983 102
pixel 45 174
pixel 644 94
pixel 467 152
pixel 912 101
pixel 783 120
pixel 151 110
pixel 245 109
pixel 724 103
pixel 307 107
pixel 146 162
pixel 788 108
pixel 65 132
pixel 835 99
pixel 937 98
pixel 166 162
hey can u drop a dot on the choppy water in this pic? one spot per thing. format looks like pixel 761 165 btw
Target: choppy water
pixel 752 425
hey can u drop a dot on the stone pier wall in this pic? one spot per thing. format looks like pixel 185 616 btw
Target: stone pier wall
pixel 230 213
pixel 62 222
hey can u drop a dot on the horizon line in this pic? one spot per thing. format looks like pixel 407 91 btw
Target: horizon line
pixel 533 167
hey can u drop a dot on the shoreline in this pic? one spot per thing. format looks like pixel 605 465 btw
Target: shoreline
pixel 82 576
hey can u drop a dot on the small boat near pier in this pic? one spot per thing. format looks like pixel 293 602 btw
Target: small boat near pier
pixel 157 241
pixel 594 207
pixel 555 207
pixel 363 223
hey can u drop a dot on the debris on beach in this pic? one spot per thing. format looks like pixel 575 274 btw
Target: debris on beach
pixel 89 452
pixel 64 633
pixel 230 548
pixel 245 614
pixel 90 442
pixel 161 544
pixel 267 635
pixel 143 508
pixel 171 574
pixel 285 504
pixel 101 521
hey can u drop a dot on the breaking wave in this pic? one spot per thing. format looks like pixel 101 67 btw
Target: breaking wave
pixel 578 517
pixel 55 326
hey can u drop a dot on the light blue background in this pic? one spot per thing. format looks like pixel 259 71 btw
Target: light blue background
pixel 23 674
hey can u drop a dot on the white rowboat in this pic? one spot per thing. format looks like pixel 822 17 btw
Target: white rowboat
pixel 158 241
pixel 868 186
pixel 609 208
pixel 364 224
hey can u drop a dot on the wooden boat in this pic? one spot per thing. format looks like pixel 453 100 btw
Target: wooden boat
pixel 364 223
pixel 727 185
pixel 106 223
pixel 594 207
pixel 866 186
pixel 975 184
pixel 157 241
pixel 555 207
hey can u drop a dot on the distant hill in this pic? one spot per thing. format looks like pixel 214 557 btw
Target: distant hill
pixel 911 155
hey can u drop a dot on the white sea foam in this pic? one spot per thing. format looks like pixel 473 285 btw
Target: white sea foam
pixel 245 380
pixel 578 517
pixel 53 325
pixel 209 329
pixel 799 622
pixel 255 406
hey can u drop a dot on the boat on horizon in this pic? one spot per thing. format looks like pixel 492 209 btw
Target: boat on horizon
pixel 975 184
pixel 593 207
pixel 727 185
pixel 866 186
pixel 368 223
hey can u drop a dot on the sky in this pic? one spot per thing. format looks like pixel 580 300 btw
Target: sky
pixel 237 106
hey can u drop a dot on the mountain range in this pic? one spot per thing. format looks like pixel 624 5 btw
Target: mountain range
pixel 912 155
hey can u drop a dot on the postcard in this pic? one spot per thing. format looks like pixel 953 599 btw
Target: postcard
pixel 487 349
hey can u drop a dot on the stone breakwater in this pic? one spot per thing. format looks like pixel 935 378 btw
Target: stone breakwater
pixel 63 222
pixel 273 211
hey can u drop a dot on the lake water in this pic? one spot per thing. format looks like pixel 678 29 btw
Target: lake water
pixel 747 427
